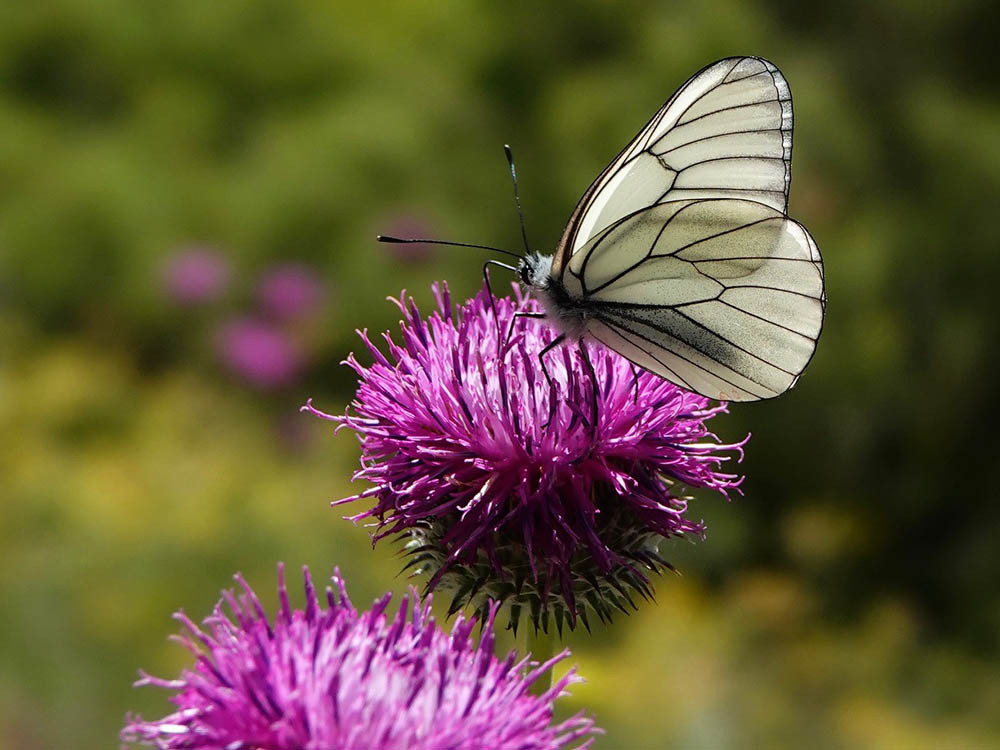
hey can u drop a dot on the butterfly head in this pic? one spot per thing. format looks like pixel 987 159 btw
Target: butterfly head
pixel 534 270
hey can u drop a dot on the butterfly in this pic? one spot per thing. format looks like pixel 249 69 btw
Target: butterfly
pixel 681 256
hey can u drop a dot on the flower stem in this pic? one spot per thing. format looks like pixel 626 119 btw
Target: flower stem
pixel 541 646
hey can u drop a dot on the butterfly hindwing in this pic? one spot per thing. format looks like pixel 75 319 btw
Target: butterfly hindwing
pixel 720 296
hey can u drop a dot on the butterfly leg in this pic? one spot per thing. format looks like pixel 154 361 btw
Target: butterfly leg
pixel 489 289
pixel 593 383
pixel 548 376
pixel 636 372
pixel 513 320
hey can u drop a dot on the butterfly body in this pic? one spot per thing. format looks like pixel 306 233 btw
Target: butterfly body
pixel 567 313
pixel 681 256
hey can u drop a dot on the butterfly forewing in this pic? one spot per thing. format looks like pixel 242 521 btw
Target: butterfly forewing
pixel 727 132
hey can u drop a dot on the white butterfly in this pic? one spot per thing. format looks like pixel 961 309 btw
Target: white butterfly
pixel 681 256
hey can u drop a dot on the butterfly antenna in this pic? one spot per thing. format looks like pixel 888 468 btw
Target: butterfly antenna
pixel 517 196
pixel 413 241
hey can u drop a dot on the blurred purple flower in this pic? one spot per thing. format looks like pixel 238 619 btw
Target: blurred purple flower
pixel 318 679
pixel 494 500
pixel 289 292
pixel 409 227
pixel 195 276
pixel 259 353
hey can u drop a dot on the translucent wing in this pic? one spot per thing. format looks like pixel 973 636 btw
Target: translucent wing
pixel 723 297
pixel 727 132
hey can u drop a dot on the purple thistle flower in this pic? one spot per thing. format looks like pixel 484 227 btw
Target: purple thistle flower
pixel 316 679
pixel 259 353
pixel 195 277
pixel 494 499
pixel 290 291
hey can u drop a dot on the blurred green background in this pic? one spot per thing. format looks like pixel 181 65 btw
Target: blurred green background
pixel 849 599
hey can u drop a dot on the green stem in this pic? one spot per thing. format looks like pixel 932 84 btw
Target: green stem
pixel 542 647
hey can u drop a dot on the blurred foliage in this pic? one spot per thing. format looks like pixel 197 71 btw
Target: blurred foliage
pixel 850 598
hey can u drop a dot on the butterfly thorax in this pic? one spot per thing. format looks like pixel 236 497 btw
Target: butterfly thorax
pixel 561 309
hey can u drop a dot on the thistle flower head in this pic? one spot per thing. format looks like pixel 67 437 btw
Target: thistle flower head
pixel 501 493
pixel 291 291
pixel 315 679
pixel 259 353
pixel 195 276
